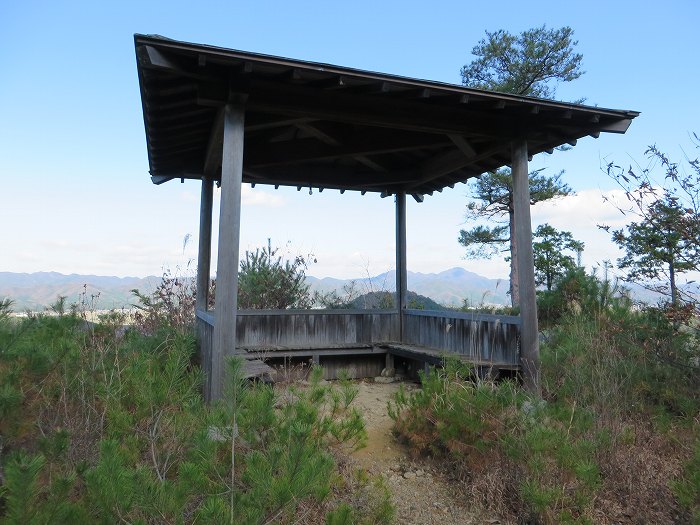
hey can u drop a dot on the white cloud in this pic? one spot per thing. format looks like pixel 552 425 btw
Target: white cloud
pixel 581 214
pixel 585 207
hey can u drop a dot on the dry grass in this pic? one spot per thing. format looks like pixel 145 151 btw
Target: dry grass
pixel 636 474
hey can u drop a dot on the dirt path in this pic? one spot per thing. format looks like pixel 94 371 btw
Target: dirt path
pixel 421 494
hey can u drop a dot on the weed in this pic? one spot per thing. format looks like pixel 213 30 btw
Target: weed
pixel 99 425
pixel 598 446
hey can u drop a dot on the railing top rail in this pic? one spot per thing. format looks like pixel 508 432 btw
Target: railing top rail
pixel 468 316
pixel 209 314
pixel 206 316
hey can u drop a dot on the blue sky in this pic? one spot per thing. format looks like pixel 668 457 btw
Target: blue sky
pixel 76 196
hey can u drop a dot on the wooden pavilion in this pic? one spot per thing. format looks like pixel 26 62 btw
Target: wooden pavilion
pixel 228 116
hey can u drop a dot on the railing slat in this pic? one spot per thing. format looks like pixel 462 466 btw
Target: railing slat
pixel 482 337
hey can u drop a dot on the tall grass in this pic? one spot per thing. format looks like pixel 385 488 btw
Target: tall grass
pixel 613 438
pixel 104 425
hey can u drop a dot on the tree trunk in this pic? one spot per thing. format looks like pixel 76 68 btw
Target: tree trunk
pixel 672 276
pixel 514 281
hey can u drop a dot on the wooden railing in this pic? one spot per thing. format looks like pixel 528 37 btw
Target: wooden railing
pixel 306 328
pixel 315 328
pixel 482 338
pixel 205 337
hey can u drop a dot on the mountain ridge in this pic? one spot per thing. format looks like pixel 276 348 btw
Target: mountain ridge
pixel 37 290
pixel 449 287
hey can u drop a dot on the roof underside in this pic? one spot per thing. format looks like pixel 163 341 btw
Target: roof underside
pixel 323 126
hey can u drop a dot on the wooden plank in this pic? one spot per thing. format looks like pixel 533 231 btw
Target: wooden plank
pixel 265 122
pixel 204 252
pixel 529 336
pixel 310 352
pixel 229 238
pixel 401 270
pixel 475 316
pixel 205 333
pixel 486 338
pixel 305 347
pixel 317 133
pixel 325 311
pixel 263 153
pixel 449 162
pixel 394 113
pixel 256 368
pixel 437 356
pixel 463 144
pixel 616 126
pixel 314 329
pixel 370 163
pixel 161 179
pixel 212 157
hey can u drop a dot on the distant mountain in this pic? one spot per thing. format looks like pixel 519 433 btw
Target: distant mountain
pixel 35 291
pixel 450 287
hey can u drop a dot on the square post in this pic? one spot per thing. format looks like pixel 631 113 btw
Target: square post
pixel 224 343
pixel 204 254
pixel 529 334
pixel 401 272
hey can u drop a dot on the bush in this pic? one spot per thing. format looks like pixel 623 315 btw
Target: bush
pixel 171 305
pixel 266 280
pixel 578 292
pixel 479 426
pixel 102 426
pixel 687 487
pixel 619 396
pixel 452 414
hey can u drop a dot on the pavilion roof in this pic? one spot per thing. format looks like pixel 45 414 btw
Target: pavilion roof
pixel 317 125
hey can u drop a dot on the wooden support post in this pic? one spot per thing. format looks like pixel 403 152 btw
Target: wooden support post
pixel 529 335
pixel 204 255
pixel 224 343
pixel 401 272
pixel 389 361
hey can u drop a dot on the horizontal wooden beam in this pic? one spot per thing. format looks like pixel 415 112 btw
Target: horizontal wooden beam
pixel 318 133
pixel 308 150
pixel 615 126
pixel 151 58
pixel 214 151
pixel 335 177
pixel 164 117
pixel 395 113
pixel 463 144
pixel 449 162
pixel 160 179
pixel 265 122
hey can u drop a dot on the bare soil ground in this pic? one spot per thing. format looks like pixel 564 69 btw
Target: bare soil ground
pixel 421 494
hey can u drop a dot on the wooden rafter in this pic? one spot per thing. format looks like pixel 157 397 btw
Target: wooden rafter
pixel 327 126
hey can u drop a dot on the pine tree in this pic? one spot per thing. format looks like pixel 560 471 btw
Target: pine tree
pixel 551 261
pixel 529 64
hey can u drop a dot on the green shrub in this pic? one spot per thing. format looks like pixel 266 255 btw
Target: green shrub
pixel 578 292
pixel 455 415
pixel 124 434
pixel 687 487
pixel 602 374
